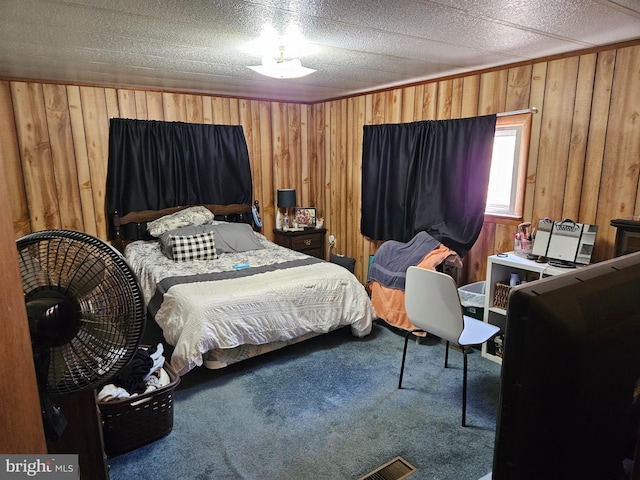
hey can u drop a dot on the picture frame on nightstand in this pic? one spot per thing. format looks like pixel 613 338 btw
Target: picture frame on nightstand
pixel 304 217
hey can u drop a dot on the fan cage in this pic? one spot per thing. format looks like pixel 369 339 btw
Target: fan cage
pixel 106 296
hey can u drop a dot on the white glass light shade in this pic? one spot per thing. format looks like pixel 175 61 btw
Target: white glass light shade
pixel 282 68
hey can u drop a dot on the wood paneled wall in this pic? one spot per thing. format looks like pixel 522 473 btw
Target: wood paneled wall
pixel 584 153
pixel 584 156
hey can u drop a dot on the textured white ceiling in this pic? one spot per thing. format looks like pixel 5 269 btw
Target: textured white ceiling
pixel 364 45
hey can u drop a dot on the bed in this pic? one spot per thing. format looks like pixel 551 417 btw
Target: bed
pixel 240 297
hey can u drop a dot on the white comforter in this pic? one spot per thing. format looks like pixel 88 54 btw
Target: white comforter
pixel 276 305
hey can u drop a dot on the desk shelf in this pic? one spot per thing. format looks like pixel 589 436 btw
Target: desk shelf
pixel 499 270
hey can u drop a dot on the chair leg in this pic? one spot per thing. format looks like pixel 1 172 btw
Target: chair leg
pixel 404 356
pixel 464 388
pixel 446 355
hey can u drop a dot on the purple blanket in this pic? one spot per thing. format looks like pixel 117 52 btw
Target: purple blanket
pixel 391 261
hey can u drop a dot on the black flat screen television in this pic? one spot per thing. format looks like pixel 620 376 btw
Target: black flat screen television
pixel 570 366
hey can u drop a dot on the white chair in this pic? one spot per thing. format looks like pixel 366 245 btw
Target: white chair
pixel 433 305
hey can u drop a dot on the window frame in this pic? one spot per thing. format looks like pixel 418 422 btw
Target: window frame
pixel 523 120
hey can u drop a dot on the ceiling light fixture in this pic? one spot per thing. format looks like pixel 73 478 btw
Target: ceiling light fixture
pixel 272 47
pixel 278 67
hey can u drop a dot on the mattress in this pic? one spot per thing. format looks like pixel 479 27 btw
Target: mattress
pixel 206 306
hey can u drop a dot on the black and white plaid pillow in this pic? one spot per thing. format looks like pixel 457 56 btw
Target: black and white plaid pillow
pixel 193 247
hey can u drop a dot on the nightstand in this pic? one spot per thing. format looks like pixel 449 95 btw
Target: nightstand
pixel 310 241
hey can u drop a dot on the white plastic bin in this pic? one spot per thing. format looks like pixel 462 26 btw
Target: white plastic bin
pixel 472 299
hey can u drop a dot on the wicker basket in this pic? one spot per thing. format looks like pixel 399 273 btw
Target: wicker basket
pixel 133 422
pixel 501 295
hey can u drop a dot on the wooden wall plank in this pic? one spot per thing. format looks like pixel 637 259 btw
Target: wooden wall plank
pixel 326 122
pixel 63 157
pixel 578 138
pixel 10 162
pixel 175 108
pixel 141 105
pixel 269 185
pixel 220 109
pixel 96 129
pixel 430 102
pixel 35 154
pixel 82 160
pixel 470 92
pixel 555 136
pixel 111 99
pixel 393 106
pixel 342 174
pixel 518 88
pixel 207 110
pixel 333 192
pixel 305 174
pixel 600 104
pixel 620 180
pixel 320 146
pixel 407 113
pixel 445 89
pixel 294 149
pixel 280 152
pixel 456 97
pixel 359 252
pixel 234 111
pixel 193 109
pixel 538 82
pixel 127 103
pixel 155 107
pixel 493 87
pixel 378 108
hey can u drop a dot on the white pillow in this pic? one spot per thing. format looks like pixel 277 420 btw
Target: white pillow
pixel 189 216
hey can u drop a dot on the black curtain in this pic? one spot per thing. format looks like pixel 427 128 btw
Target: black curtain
pixel 427 176
pixel 155 165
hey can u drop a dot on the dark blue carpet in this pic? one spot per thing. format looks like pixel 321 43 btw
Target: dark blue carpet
pixel 328 408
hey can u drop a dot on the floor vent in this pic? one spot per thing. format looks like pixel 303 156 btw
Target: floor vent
pixel 395 469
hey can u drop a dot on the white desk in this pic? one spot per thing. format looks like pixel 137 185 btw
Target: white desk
pixel 499 269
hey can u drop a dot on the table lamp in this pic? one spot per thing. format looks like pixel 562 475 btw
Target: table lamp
pixel 286 200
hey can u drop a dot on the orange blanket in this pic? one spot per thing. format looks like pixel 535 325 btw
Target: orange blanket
pixel 389 302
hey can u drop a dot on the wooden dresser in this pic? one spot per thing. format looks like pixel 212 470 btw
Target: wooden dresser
pixel 310 241
pixel 627 235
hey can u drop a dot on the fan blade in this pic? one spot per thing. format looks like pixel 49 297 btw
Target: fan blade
pixel 33 273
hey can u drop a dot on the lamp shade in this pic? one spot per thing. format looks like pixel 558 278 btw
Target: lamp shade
pixel 286 197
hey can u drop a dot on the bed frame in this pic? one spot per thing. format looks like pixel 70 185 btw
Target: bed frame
pixel 237 212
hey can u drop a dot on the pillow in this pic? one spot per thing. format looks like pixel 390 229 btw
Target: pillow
pixel 230 237
pixel 189 216
pixel 166 241
pixel 236 238
pixel 193 247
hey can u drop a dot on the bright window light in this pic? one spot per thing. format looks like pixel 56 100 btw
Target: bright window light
pixel 505 195
pixel 504 171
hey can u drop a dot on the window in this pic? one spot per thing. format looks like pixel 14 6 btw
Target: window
pixel 505 196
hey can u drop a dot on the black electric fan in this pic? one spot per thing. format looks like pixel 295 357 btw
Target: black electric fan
pixel 85 311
